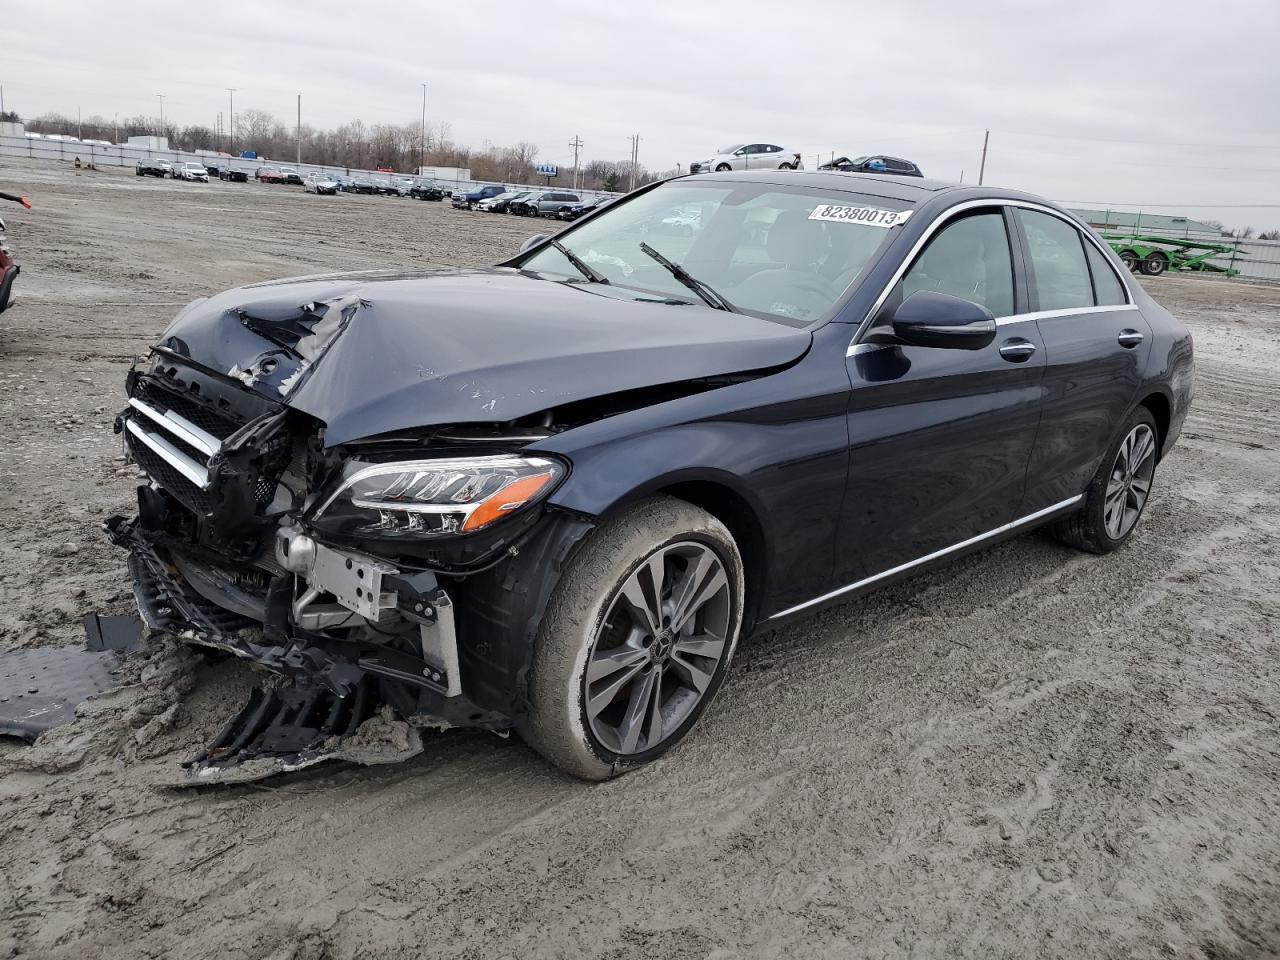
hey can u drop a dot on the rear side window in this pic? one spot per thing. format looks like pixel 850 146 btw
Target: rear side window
pixel 1106 285
pixel 1057 257
pixel 969 258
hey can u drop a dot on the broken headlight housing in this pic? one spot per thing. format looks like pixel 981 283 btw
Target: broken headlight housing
pixel 441 497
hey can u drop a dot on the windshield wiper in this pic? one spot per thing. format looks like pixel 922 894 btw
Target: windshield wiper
pixel 595 276
pixel 704 292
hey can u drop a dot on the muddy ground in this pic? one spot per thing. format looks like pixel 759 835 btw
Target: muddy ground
pixel 1032 753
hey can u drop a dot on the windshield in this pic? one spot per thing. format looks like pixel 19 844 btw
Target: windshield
pixel 729 149
pixel 782 252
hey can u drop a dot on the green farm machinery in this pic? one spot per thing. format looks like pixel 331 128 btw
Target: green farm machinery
pixel 1154 255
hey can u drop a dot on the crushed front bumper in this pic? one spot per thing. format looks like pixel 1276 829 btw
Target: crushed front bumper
pixel 194 600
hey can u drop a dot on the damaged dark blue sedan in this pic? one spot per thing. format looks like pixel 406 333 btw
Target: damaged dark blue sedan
pixel 551 496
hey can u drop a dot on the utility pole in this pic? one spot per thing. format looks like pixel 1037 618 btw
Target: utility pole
pixel 1 98
pixel 576 143
pixel 116 122
pixel 79 125
pixel 982 168
pixel 161 96
pixel 231 125
pixel 422 145
pixel 635 160
pixel 299 129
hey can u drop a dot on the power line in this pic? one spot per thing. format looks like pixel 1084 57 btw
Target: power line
pixel 1224 206
pixel 1153 143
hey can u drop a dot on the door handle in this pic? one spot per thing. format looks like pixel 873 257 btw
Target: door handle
pixel 1129 338
pixel 1017 350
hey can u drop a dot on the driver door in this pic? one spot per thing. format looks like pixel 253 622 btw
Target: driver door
pixel 940 439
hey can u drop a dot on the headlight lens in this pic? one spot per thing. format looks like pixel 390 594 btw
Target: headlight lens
pixel 435 498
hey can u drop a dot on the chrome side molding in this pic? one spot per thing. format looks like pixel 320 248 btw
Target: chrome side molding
pixel 937 554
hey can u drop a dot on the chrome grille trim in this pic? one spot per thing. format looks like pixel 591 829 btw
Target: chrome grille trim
pixel 189 468
pixel 182 428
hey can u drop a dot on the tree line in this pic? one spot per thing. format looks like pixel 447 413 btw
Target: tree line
pixel 354 144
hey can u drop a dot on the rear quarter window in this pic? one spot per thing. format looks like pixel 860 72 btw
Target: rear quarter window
pixel 1106 284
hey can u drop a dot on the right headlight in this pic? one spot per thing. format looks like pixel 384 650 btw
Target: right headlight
pixel 435 498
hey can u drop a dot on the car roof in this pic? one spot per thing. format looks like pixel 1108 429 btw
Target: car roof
pixel 910 189
pixel 916 189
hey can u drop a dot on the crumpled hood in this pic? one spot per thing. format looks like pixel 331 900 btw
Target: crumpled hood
pixel 371 353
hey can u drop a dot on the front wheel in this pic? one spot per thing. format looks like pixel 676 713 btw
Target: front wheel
pixel 1118 492
pixel 723 167
pixel 636 640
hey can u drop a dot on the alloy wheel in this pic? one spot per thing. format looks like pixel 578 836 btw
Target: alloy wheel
pixel 1130 482
pixel 659 648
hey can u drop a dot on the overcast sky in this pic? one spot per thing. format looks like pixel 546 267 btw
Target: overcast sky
pixel 1094 102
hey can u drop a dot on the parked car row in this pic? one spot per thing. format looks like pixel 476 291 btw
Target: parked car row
pixel 167 168
pixel 560 204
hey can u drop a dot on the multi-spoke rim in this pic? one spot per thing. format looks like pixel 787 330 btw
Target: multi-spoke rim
pixel 659 647
pixel 1130 482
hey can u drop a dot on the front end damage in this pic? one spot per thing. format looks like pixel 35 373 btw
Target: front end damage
pixel 225 552
pixel 346 483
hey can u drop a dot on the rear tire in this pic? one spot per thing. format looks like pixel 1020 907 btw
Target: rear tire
pixel 1120 490
pixel 1155 264
pixel 1129 259
pixel 588 613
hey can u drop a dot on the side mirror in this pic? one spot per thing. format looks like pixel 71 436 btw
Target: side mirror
pixel 929 319
pixel 533 241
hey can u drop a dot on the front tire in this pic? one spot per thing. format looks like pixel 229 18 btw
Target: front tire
pixel 1118 493
pixel 721 168
pixel 637 638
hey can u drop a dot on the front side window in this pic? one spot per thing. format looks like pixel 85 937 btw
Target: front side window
pixel 1058 261
pixel 968 258
pixel 786 253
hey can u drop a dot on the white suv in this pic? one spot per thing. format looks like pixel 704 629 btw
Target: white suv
pixel 191 171
pixel 750 156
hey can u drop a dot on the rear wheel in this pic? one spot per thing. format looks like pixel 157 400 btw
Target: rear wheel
pixel 1129 259
pixel 636 640
pixel 1155 263
pixel 1118 493
pixel 785 166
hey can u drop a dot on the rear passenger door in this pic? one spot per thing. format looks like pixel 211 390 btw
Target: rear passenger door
pixel 1096 344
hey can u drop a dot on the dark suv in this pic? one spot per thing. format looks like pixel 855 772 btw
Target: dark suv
pixel 469 199
pixel 549 203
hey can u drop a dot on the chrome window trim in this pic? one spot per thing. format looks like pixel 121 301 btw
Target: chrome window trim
pixel 945 217
pixel 1013 524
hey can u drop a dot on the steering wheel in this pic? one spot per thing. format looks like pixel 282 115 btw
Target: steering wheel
pixel 808 293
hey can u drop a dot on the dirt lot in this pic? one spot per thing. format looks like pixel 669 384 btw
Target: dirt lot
pixel 1033 753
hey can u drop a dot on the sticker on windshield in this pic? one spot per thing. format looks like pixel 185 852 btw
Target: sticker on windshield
pixel 871 216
